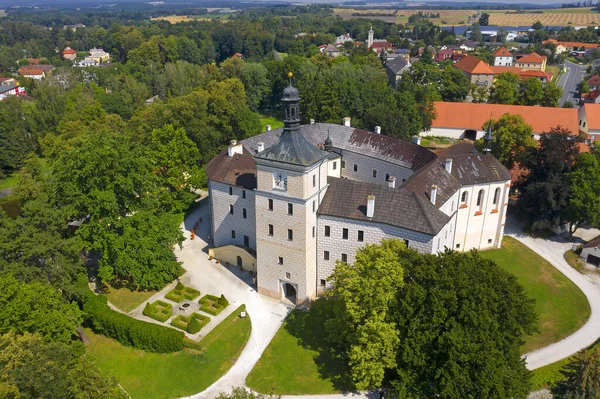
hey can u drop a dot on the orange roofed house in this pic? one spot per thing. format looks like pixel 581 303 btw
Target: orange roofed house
pixel 478 72
pixel 532 61
pixel 69 54
pixel 562 47
pixel 466 120
pixel 503 57
pixel 589 122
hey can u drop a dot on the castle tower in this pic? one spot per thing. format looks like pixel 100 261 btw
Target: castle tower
pixel 291 181
pixel 371 36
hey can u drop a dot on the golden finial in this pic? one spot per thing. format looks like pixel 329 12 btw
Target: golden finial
pixel 290 75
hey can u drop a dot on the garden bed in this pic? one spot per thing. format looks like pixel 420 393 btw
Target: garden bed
pixel 158 310
pixel 181 293
pixel 213 304
pixel 192 323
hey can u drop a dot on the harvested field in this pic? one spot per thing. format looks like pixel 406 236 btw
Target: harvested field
pixel 184 18
pixel 547 18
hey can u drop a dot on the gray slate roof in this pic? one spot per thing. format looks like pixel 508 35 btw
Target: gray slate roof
pixel 396 65
pixel 293 148
pixel 348 199
pixel 431 174
pixel 398 152
pixel 471 167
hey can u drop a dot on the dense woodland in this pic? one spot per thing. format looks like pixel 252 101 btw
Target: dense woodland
pixel 103 175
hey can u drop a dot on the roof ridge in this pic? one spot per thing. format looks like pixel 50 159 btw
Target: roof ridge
pixel 427 212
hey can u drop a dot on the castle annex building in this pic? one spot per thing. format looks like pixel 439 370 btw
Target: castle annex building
pixel 300 198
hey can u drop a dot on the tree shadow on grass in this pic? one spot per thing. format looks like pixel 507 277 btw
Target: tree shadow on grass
pixel 309 329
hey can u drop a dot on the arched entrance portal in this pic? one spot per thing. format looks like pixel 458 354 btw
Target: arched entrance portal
pixel 471 135
pixel 239 261
pixel 289 291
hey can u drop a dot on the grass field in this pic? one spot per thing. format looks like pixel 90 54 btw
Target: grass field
pixel 184 18
pixel 146 375
pixel 312 371
pixel 555 71
pixel 557 16
pixel 127 300
pixel 561 306
pixel 269 120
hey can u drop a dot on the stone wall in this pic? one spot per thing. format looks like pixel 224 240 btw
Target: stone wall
pixel 366 165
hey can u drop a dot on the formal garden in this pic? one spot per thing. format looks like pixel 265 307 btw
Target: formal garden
pixel 561 307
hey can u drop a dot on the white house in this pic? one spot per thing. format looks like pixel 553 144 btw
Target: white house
pixel 589 122
pixel 591 252
pixel 503 57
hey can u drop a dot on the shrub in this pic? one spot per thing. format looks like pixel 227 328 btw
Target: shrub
pixel 158 310
pixel 179 286
pixel 215 332
pixel 174 295
pixel 190 293
pixel 194 326
pixel 129 331
pixel 181 322
pixel 223 301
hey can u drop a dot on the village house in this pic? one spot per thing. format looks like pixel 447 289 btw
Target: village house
pixel 98 55
pixel 395 68
pixel 69 54
pixel 466 120
pixel 594 82
pixel 590 252
pixel 532 61
pixel 568 47
pixel 589 122
pixel 37 72
pixel 503 57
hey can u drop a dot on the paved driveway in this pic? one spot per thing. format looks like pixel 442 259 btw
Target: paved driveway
pixel 569 82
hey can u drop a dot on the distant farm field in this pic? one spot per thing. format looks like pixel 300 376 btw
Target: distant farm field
pixel 557 16
pixel 184 18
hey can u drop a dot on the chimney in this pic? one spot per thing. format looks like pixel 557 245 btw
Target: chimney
pixel 370 205
pixel 268 127
pixel 392 182
pixel 312 121
pixel 347 121
pixel 448 165
pixel 261 147
pixel 416 140
pixel 234 148
pixel 378 129
pixel 433 196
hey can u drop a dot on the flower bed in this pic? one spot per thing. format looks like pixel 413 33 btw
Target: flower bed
pixel 192 323
pixel 213 304
pixel 158 310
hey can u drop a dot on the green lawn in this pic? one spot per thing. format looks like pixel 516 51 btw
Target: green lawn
pixel 561 306
pixel 9 181
pixel 269 120
pixel 295 362
pixel 127 300
pixel 146 375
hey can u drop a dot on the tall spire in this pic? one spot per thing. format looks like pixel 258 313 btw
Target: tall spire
pixel 488 139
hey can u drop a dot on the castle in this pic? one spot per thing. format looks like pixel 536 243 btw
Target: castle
pixel 300 198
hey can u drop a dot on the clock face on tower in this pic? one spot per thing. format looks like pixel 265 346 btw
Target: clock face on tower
pixel 280 181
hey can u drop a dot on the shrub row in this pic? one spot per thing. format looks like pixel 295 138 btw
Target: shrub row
pixel 129 331
pixel 181 292
pixel 192 323
pixel 180 322
pixel 215 332
pixel 217 305
pixel 160 313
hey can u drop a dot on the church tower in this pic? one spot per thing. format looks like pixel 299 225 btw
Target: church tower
pixel 291 181
pixel 371 37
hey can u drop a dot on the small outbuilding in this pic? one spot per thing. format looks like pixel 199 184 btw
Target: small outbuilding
pixel 591 252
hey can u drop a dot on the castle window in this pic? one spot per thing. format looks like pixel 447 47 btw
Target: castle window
pixel 480 198
pixel 344 258
pixel 290 235
pixel 314 205
pixel 406 242
pixel 387 177
pixel 355 167
pixel 489 240
pixel 325 255
pixel 361 235
pixel 323 282
pixel 374 172
pixel 243 193
pixel 231 209
pixel 496 195
pixel 314 180
pixel 270 204
pixel 290 209
pixel 464 197
pixel 271 230
pixel 345 234
pixel 232 233
pixel 288 275
pixel 313 231
pixel 327 231
pixel 334 165
pixel 246 241
pixel 280 261
pixel 457 246
pixel 343 164
pixel 230 190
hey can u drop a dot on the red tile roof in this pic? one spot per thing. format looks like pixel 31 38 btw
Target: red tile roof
pixel 503 52
pixel 473 116
pixel 474 65
pixel 69 50
pixel 594 80
pixel 571 44
pixel 592 113
pixel 533 58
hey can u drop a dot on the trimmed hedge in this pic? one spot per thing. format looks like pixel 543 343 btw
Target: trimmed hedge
pixel 215 307
pixel 180 322
pixel 181 292
pixel 192 323
pixel 215 332
pixel 159 314
pixel 129 331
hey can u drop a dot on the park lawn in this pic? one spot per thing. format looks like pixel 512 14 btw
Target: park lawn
pixel 127 300
pixel 147 375
pixel 561 306
pixel 269 120
pixel 295 362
